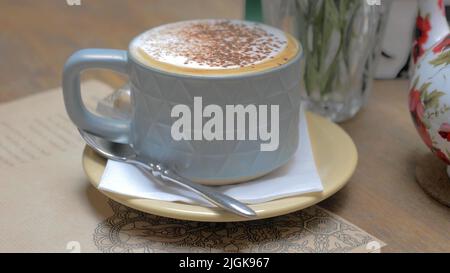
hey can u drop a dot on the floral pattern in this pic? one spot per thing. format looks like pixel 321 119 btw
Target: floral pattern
pixel 429 103
pixel 444 131
pixel 443 55
pixel 442 45
pixel 309 230
pixel 423 28
pixel 417 110
pixel 425 105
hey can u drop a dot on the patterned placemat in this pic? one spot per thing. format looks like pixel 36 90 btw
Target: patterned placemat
pixel 311 230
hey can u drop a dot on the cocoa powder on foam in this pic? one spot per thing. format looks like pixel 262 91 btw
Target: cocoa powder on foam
pixel 214 44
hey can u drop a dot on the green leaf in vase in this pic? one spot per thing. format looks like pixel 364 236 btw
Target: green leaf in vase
pixel 331 21
pixel 329 78
pixel 343 6
pixel 310 78
pixel 317 30
pixel 324 17
pixel 346 30
pixel 331 13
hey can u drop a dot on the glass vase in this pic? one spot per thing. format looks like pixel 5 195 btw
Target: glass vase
pixel 341 40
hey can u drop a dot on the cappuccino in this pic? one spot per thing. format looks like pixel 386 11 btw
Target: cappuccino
pixel 216 101
pixel 214 47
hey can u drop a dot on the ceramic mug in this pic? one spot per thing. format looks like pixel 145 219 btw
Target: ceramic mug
pixel 155 92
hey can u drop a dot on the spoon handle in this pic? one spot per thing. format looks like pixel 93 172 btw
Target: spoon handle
pixel 215 197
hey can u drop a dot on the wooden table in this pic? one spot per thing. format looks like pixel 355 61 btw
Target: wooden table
pixel 382 197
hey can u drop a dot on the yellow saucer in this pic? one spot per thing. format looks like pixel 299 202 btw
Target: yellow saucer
pixel 334 152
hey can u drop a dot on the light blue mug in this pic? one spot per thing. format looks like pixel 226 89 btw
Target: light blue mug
pixel 154 94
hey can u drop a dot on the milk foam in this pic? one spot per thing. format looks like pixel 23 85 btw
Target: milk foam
pixel 211 44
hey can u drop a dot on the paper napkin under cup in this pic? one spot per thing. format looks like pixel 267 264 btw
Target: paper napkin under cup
pixel 297 177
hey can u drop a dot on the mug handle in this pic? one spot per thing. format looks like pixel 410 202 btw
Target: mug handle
pixel 117 60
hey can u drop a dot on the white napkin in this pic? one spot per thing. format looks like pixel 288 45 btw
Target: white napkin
pixel 297 177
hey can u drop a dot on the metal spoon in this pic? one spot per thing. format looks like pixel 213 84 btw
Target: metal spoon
pixel 125 153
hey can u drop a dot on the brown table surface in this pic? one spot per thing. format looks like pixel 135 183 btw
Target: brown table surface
pixel 382 197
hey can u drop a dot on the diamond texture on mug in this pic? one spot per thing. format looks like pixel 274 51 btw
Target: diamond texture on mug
pixel 163 91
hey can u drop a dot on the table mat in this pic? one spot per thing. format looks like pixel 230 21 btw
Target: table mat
pixel 47 204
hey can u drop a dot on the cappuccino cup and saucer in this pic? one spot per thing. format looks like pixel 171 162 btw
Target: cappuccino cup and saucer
pixel 216 100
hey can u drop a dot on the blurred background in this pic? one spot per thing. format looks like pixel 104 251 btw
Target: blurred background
pixel 36 37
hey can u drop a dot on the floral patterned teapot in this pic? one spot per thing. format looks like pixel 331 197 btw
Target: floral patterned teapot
pixel 429 98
